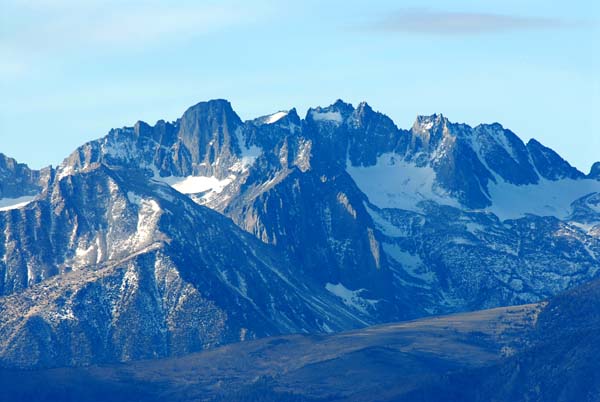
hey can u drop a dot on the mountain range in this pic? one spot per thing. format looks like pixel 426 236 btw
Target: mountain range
pixel 537 352
pixel 164 240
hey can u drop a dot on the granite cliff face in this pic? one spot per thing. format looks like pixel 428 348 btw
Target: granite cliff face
pixel 106 267
pixel 19 183
pixel 333 221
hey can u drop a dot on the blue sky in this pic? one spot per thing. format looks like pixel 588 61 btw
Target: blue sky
pixel 71 70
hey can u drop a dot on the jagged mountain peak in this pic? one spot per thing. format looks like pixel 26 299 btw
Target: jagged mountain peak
pixel 336 113
pixel 549 164
pixel 7 161
pixel 432 131
pixel 432 118
pixel 211 141
pixel 213 114
pixel 365 115
pixel 363 108
pixel 207 112
pixel 434 123
pixel 438 122
pixel 495 127
pixel 210 105
pixel 595 171
pixel 17 180
pixel 428 133
pixel 293 116
pixel 363 105
pixel 341 104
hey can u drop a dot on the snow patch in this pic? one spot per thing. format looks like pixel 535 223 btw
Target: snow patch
pixel 395 183
pixel 196 184
pixel 547 198
pixel 200 184
pixel 327 116
pixel 275 117
pixel 351 298
pixel 6 204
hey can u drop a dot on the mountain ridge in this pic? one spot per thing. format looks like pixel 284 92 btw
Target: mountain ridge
pixel 379 223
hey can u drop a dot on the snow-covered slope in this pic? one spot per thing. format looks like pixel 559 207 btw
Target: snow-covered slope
pixel 395 183
pixel 546 198
pixel 513 179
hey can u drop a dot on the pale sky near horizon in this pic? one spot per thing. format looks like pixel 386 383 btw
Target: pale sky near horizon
pixel 71 70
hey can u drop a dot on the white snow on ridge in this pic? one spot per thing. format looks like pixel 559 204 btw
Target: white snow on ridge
pixel 275 117
pixel 547 198
pixel 351 298
pixel 6 204
pixel 196 184
pixel 327 116
pixel 394 183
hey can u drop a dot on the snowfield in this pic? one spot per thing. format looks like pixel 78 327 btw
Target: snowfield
pixel 275 117
pixel 547 198
pixel 395 183
pixel 196 184
pixel 6 204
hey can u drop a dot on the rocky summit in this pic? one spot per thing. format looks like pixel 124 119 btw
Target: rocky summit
pixel 163 240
